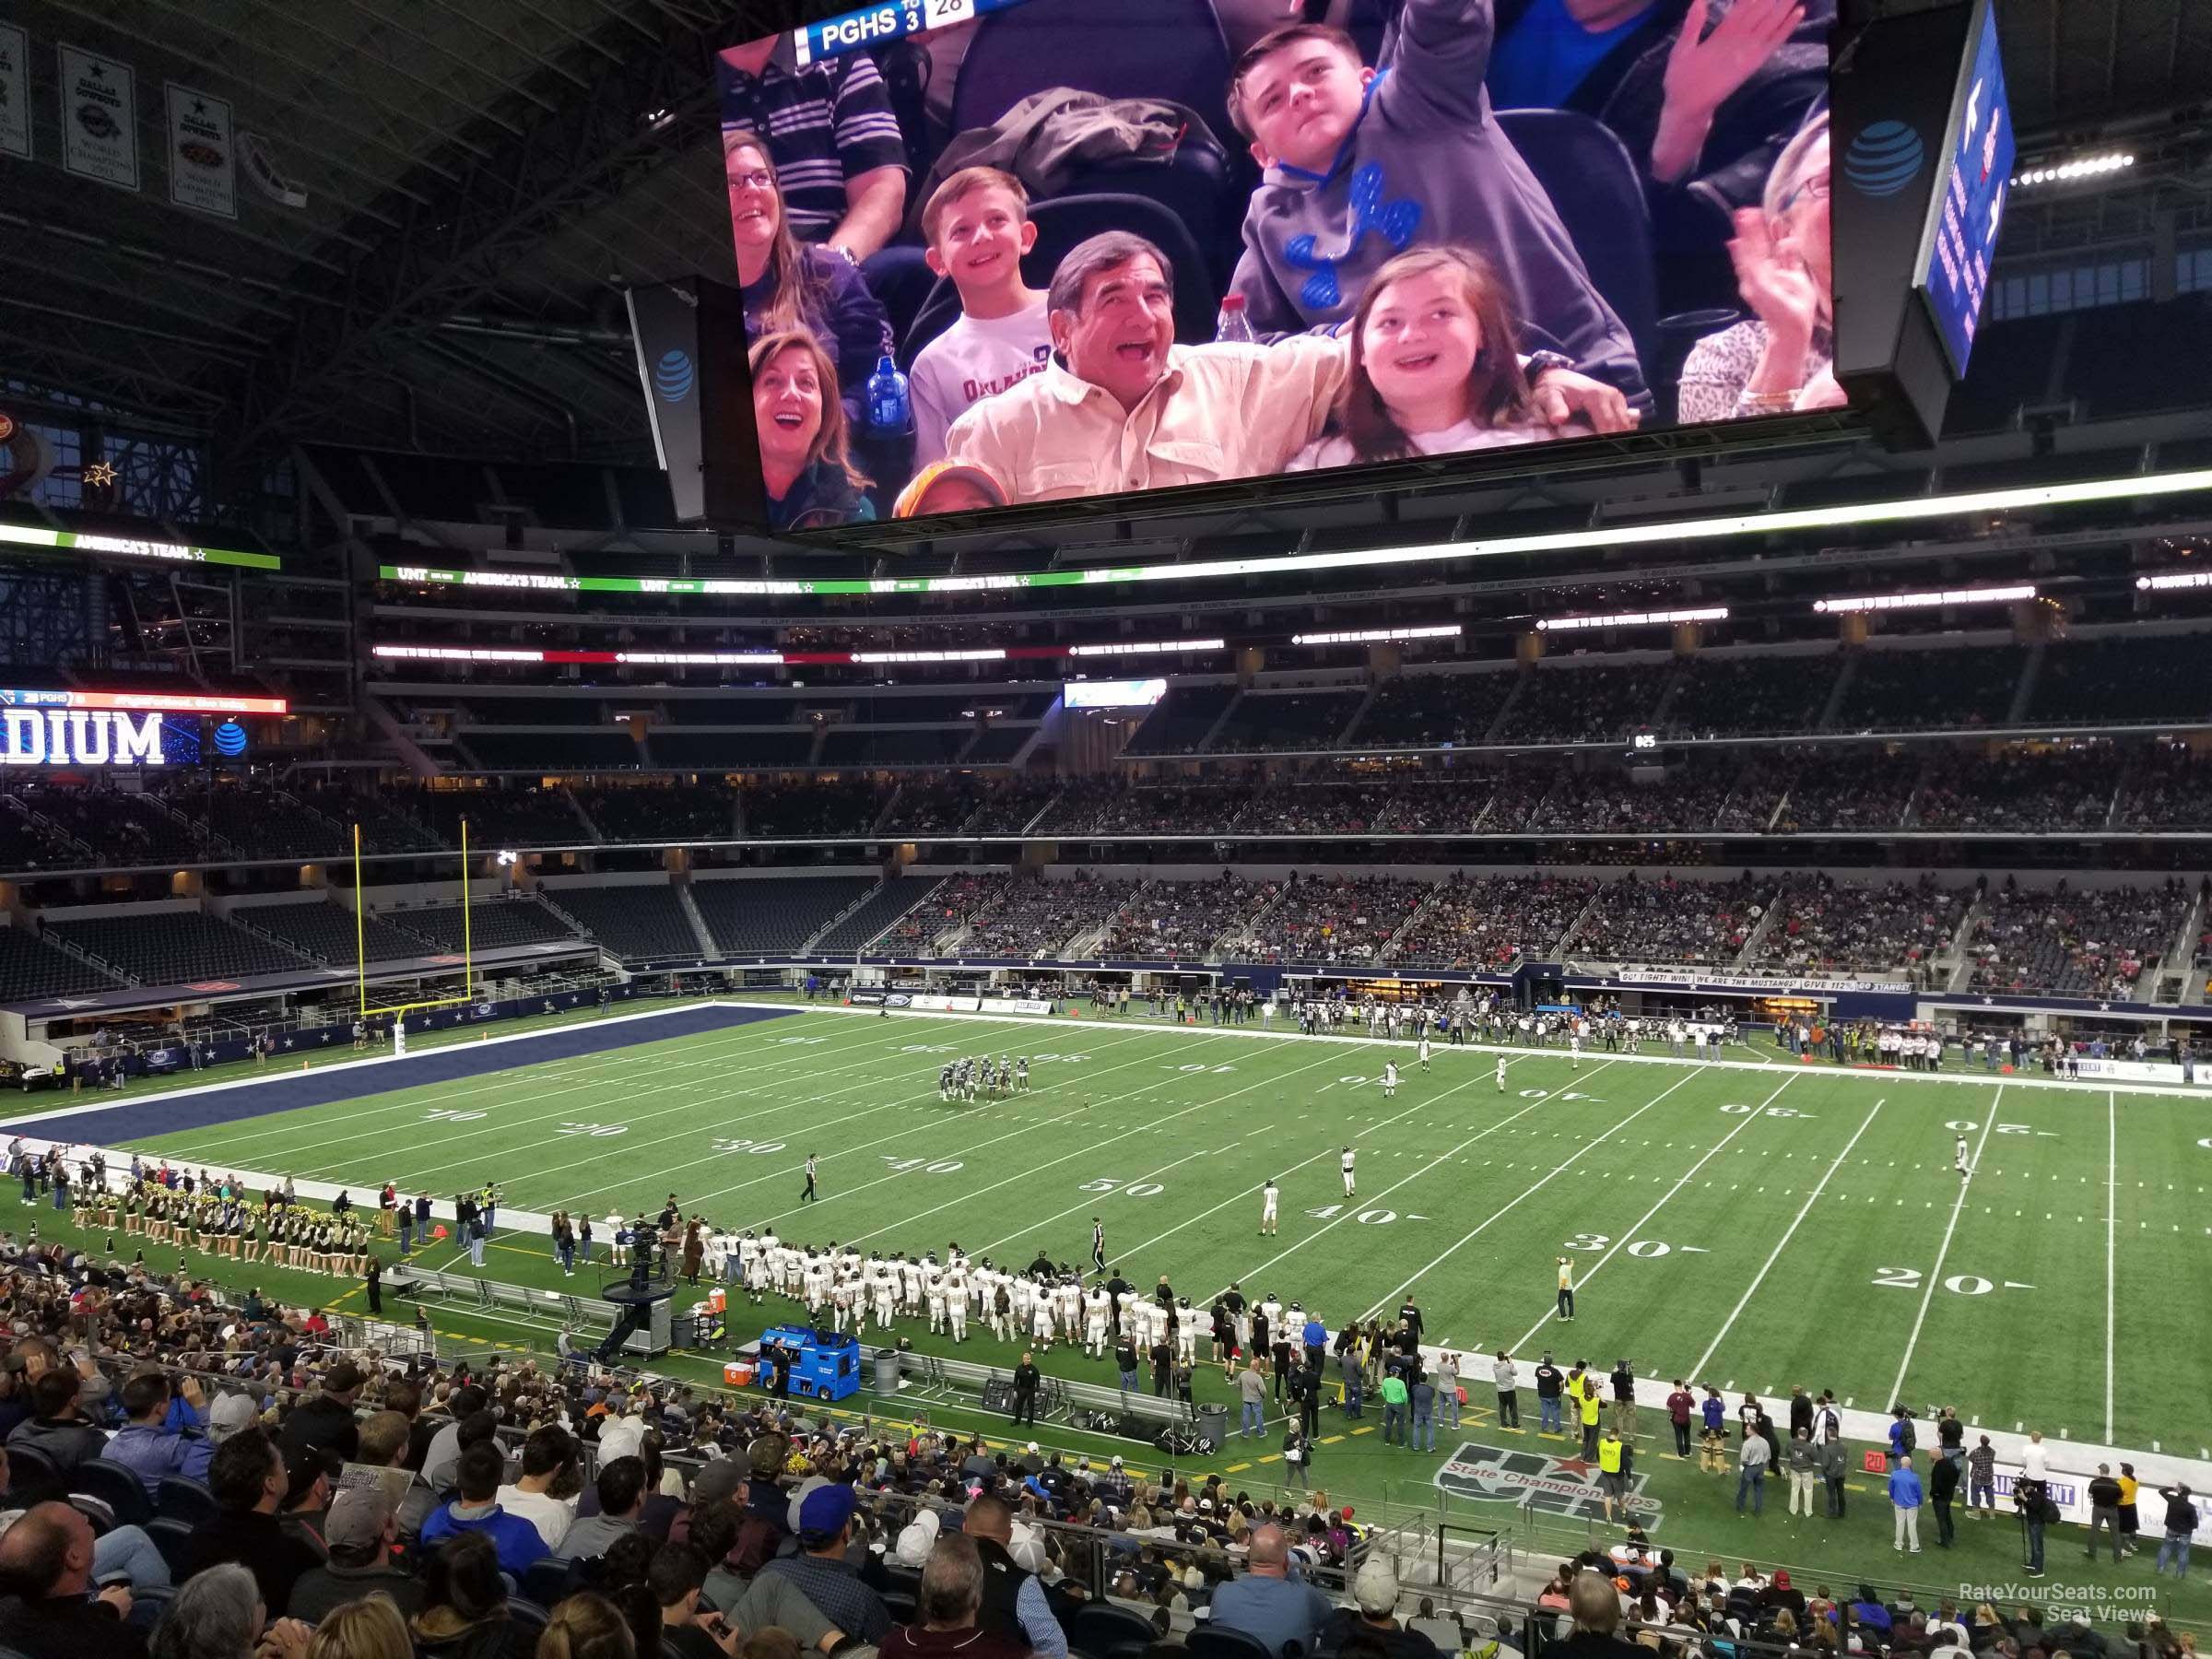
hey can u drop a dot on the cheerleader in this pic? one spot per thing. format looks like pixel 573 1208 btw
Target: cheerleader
pixel 130 1200
pixel 250 1230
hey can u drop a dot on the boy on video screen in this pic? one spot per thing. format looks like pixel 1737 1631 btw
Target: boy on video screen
pixel 1363 163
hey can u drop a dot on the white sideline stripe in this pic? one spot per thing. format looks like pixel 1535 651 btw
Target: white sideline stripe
pixel 1758 1063
pixel 2112 1240
pixel 1624 1239
pixel 1775 1255
pixel 1957 1204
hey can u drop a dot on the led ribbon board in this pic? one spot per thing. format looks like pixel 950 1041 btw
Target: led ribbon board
pixel 103 728
pixel 1727 527
pixel 123 547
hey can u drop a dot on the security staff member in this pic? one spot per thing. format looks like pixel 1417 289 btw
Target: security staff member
pixel 1026 1379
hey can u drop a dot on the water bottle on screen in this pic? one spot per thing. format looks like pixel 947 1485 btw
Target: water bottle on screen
pixel 890 411
pixel 1233 326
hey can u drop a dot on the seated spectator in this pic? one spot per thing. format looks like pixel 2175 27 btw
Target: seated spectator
pixel 308 1474
pixel 1594 1605
pixel 821 1571
pixel 464 1604
pixel 361 1531
pixel 327 1419
pixel 56 1426
pixel 477 1510
pixel 443 1448
pixel 219 1614
pixel 162 1436
pixel 693 1631
pixel 789 284
pixel 1014 1600
pixel 384 1438
pixel 1266 1603
pixel 622 1492
pixel 548 1455
pixel 1373 1617
pixel 248 1479
pixel 804 435
pixel 947 1610
pixel 370 1628
pixel 588 1626
pixel 1778 360
pixel 47 1608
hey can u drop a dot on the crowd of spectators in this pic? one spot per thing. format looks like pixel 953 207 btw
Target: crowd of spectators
pixel 1848 789
pixel 1477 922
pixel 1907 690
pixel 2170 788
pixel 1112 806
pixel 1610 802
pixel 1666 920
pixel 2036 793
pixel 1585 704
pixel 1748 696
pixel 1180 920
pixel 267 1493
pixel 1333 919
pixel 2065 941
pixel 1833 927
pixel 1424 710
pixel 1022 914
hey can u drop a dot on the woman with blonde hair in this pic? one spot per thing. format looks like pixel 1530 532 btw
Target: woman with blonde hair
pixel 1781 358
pixel 371 1627
pixel 806 460
pixel 586 1625
pixel 788 284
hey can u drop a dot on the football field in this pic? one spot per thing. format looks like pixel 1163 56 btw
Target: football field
pixel 1749 1225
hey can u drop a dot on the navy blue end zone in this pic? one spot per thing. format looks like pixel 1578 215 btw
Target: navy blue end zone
pixel 138 1120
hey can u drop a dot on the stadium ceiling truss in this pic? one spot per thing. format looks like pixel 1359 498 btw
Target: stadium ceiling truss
pixel 482 176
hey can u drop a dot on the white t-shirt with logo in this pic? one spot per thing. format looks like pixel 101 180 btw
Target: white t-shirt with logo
pixel 970 361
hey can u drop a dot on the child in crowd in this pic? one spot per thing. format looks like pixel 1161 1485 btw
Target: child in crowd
pixel 1433 369
pixel 1363 163
pixel 978 229
pixel 949 486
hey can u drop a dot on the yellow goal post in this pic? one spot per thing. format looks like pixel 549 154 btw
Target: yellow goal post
pixel 399 1011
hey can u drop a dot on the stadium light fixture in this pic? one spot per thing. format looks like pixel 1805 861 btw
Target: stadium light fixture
pixel 1146 647
pixel 1908 509
pixel 1380 636
pixel 2080 167
pixel 1710 613
pixel 1929 601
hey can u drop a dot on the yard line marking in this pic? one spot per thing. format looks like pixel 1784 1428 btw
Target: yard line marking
pixel 790 1170
pixel 1083 1151
pixel 2112 1244
pixel 1624 1239
pixel 919 1095
pixel 1775 1255
pixel 969 1109
pixel 1248 1191
pixel 865 1064
pixel 1534 1188
pixel 225 1149
pixel 1943 1249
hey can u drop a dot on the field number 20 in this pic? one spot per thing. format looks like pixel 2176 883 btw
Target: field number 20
pixel 1909 1279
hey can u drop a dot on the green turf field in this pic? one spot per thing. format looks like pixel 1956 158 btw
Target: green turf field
pixel 1752 1227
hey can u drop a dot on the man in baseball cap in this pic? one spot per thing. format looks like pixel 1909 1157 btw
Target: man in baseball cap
pixel 359 1531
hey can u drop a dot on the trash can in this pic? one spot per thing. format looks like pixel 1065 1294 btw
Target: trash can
pixel 1213 1427
pixel 887 1370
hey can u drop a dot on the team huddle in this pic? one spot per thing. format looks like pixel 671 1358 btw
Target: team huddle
pixel 968 1078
